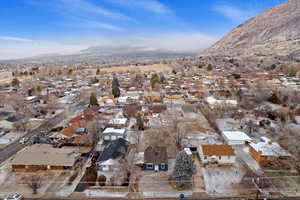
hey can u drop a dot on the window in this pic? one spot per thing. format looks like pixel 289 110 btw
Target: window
pixel 220 157
pixel 205 157
pixel 150 166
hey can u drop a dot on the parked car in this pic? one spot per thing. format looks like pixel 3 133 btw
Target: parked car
pixel 14 197
pixel 24 140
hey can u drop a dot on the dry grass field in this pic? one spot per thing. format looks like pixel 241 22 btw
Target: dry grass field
pixel 147 68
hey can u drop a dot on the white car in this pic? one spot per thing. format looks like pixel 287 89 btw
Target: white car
pixel 23 140
pixel 14 197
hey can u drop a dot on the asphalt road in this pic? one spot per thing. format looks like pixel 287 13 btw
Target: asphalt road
pixel 15 146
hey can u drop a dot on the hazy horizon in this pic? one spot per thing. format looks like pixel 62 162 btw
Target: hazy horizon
pixel 34 27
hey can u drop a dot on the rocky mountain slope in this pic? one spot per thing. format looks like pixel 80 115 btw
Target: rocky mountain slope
pixel 275 32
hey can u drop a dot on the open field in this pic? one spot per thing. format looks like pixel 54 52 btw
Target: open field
pixel 147 68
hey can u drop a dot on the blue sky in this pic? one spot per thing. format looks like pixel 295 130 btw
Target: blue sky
pixel 33 27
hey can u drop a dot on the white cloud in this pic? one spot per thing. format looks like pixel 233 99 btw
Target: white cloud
pixel 78 8
pixel 150 5
pixel 178 41
pixel 189 42
pixel 85 6
pixel 15 39
pixel 100 25
pixel 235 14
pixel 35 48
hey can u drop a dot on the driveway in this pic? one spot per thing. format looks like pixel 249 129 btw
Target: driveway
pixel 242 154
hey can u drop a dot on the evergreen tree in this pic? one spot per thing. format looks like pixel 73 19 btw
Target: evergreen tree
pixel 115 82
pixel 94 80
pixel 38 90
pixel 93 100
pixel 15 82
pixel 116 91
pixel 183 170
pixel 273 98
pixel 154 80
pixel 162 78
pixel 30 92
pixel 209 67
pixel 98 71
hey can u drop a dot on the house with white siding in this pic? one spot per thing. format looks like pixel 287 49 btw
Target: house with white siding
pixel 111 134
pixel 219 154
pixel 236 137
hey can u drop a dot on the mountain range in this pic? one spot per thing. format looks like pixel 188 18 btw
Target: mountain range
pixel 275 32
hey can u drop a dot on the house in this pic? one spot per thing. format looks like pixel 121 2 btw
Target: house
pixel 152 96
pixel 174 95
pixel 68 132
pixel 157 108
pixel 131 109
pixel 118 122
pixel 110 134
pixel 45 157
pixel 216 154
pixel 78 121
pixel 30 98
pixel 130 96
pixel 216 102
pixel 107 159
pixel 155 158
pixel 236 137
pixel 73 136
pixel 266 151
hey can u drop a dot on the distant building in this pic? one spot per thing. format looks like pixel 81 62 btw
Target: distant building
pixel 118 122
pixel 216 102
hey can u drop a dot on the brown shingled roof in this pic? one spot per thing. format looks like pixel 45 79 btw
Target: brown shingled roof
pixel 217 150
pixel 156 155
pixel 69 132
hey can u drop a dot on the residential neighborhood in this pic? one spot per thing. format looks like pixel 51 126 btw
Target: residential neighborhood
pixel 149 133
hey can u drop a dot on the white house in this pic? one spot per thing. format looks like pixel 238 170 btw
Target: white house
pixel 107 165
pixel 216 154
pixel 118 122
pixel 235 137
pixel 110 134
pixel 216 102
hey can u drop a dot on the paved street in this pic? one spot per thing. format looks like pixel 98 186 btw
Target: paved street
pixel 15 146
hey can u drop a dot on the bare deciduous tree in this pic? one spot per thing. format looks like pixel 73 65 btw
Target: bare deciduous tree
pixel 34 182
pixel 94 130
